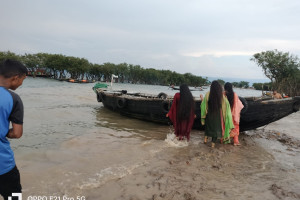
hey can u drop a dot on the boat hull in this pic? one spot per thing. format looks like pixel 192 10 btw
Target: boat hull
pixel 261 113
pixel 257 113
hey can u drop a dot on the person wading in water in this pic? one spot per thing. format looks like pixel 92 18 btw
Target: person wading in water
pixel 182 113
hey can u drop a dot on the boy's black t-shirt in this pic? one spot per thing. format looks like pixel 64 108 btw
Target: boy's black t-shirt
pixel 17 113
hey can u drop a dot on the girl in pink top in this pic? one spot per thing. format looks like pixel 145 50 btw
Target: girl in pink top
pixel 236 106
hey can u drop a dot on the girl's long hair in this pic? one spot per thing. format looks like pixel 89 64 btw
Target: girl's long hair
pixel 229 93
pixel 186 103
pixel 215 97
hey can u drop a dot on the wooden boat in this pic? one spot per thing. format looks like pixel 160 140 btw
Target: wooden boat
pixel 79 81
pixel 191 89
pixel 257 112
pixel 38 73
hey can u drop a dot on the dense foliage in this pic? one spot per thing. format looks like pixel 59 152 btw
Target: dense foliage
pixel 282 69
pixel 60 67
pixel 241 84
pixel 263 86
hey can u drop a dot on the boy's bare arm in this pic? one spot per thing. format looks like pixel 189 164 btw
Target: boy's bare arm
pixel 16 131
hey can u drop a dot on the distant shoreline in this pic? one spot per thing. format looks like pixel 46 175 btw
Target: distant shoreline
pixel 251 81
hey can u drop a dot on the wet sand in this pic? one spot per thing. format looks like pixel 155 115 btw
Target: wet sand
pixel 289 125
pixel 253 171
pixel 266 166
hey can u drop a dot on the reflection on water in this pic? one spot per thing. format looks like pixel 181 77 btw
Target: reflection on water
pixel 108 119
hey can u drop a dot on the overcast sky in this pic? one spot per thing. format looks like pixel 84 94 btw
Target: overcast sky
pixel 214 38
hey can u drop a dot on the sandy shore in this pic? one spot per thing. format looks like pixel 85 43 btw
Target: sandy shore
pixel 266 166
pixel 289 125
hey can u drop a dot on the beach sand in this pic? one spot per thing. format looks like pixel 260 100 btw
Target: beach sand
pixel 266 166
pixel 289 125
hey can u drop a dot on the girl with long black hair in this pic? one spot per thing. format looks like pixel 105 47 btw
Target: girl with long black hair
pixel 182 112
pixel 216 114
pixel 236 106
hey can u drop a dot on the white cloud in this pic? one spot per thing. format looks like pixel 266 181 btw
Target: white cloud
pixel 205 37
pixel 218 53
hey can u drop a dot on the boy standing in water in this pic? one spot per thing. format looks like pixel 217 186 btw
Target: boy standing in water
pixel 12 74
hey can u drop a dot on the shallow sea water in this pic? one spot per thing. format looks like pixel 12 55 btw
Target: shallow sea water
pixel 74 147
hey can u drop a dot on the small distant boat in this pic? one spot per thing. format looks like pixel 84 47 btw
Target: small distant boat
pixel 72 81
pixel 191 89
pixel 79 81
pixel 204 87
pixel 257 112
pixel 38 73
pixel 196 89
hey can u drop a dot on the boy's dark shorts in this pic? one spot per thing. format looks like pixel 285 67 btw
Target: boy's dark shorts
pixel 10 183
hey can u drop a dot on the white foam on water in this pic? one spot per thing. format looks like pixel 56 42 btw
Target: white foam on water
pixel 172 141
pixel 148 142
pixel 108 174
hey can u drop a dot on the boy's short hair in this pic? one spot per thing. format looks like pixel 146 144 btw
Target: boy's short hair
pixel 10 68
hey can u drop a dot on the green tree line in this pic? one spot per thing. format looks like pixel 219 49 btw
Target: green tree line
pixel 241 84
pixel 263 86
pixel 60 67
